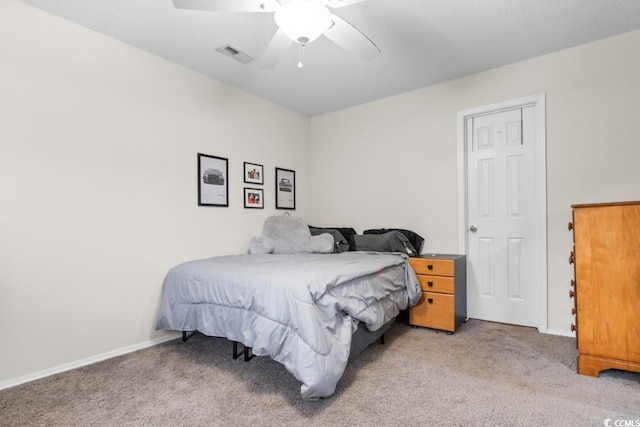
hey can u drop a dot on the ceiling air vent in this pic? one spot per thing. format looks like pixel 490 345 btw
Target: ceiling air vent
pixel 234 53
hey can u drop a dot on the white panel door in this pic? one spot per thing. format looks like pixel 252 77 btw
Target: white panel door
pixel 501 275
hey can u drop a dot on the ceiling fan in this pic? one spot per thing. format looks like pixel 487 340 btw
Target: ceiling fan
pixel 299 21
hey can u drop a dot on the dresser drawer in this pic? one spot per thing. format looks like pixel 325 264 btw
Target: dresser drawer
pixel 436 283
pixel 437 267
pixel 435 311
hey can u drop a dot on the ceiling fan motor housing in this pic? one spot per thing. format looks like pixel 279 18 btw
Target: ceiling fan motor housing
pixel 303 21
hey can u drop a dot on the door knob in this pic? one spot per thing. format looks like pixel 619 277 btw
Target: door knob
pixel 473 229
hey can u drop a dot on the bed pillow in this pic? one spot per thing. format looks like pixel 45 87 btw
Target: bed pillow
pixel 392 241
pixel 289 235
pixel 261 245
pixel 341 244
pixel 416 240
pixel 347 232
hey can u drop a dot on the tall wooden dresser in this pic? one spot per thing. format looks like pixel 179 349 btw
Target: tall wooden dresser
pixel 606 259
pixel 443 279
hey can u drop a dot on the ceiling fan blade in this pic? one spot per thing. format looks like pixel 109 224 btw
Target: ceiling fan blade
pixel 278 46
pixel 342 3
pixel 351 39
pixel 228 5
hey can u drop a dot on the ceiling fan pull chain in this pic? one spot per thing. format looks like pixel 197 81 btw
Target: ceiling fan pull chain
pixel 301 61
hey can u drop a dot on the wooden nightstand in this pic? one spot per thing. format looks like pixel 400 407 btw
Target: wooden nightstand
pixel 443 279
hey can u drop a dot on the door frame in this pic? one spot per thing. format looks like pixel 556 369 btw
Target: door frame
pixel 540 183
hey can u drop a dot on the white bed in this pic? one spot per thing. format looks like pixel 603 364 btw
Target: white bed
pixel 299 309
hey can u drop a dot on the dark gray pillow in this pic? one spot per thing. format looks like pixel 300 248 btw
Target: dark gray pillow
pixel 393 241
pixel 416 240
pixel 341 244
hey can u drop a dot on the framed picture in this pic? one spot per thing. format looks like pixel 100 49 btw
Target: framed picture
pixel 213 182
pixel 253 198
pixel 253 173
pixel 285 189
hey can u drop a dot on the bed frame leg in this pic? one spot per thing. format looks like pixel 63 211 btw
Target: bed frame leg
pixel 235 350
pixel 246 351
pixel 248 354
pixel 185 337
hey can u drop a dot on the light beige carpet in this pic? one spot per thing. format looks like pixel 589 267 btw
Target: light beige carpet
pixel 486 374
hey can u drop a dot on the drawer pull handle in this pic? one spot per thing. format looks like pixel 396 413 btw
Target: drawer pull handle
pixel 572 294
pixel 573 311
pixel 570 226
pixel 429 267
pixel 573 283
pixel 573 327
pixel 429 283
pixel 430 300
pixel 571 258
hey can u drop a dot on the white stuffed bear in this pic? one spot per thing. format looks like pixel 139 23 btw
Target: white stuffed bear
pixel 289 235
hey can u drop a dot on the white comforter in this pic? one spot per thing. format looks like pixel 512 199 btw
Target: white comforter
pixel 300 309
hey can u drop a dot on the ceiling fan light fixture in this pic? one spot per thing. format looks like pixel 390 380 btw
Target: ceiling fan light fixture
pixel 303 21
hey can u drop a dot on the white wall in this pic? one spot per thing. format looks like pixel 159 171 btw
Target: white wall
pixel 98 190
pixel 392 163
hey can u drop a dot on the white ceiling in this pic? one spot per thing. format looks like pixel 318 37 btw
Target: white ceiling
pixel 422 42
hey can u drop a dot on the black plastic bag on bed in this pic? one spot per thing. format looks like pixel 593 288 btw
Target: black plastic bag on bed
pixel 416 240
pixel 391 241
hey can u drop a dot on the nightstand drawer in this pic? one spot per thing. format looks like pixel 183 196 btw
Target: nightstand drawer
pixel 437 267
pixel 436 283
pixel 434 311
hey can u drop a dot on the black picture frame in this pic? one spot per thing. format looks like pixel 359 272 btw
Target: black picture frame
pixel 253 198
pixel 213 180
pixel 253 173
pixel 285 189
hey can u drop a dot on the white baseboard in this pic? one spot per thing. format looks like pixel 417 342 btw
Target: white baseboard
pixel 83 362
pixel 561 332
